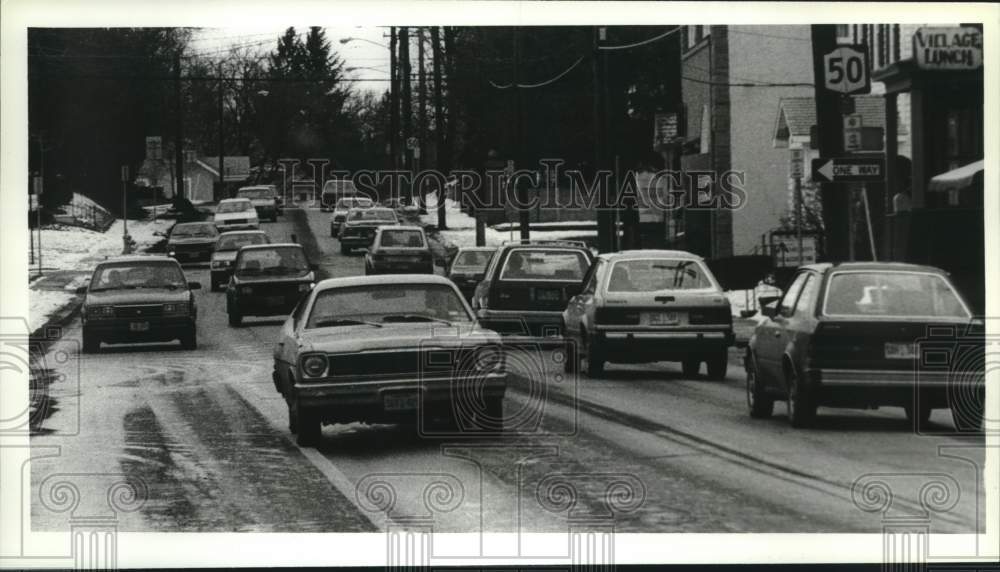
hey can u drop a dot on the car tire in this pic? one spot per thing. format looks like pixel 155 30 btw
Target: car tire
pixel 690 367
pixel 918 415
pixel 189 340
pixel 308 428
pixel 235 319
pixel 595 359
pixel 717 364
pixel 91 343
pixel 345 250
pixel 759 404
pixel 801 405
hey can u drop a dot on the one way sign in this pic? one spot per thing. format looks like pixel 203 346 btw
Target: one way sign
pixel 853 169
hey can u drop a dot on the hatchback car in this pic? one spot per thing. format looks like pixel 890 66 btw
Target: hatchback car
pixel 262 199
pixel 226 247
pixel 358 230
pixel 268 280
pixel 388 349
pixel 468 267
pixel 341 209
pixel 399 250
pixel 527 284
pixel 192 241
pixel 236 214
pixel 863 335
pixel 642 306
pixel 134 299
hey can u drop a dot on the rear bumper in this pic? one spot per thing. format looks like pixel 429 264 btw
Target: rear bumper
pixel 879 378
pixel 529 326
pixel 402 268
pixel 660 345
pixel 356 241
pixel 866 388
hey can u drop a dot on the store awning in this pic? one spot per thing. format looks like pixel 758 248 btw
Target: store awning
pixel 969 176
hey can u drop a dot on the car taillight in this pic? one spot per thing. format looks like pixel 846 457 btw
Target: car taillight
pixel 314 365
pixel 710 316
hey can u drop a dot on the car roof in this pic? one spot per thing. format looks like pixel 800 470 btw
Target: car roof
pixel 403 227
pixel 477 249
pixel 868 265
pixel 383 279
pixel 126 258
pixel 270 246
pixel 544 246
pixel 640 254
pixel 234 200
pixel 194 223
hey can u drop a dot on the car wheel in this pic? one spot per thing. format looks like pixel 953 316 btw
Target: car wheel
pixel 189 340
pixel 918 414
pixel 717 365
pixel 595 359
pixel 235 319
pixel 91 343
pixel 690 367
pixel 801 406
pixel 345 250
pixel 309 428
pixel 761 405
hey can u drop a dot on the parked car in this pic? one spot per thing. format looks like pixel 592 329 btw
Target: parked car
pixel 527 284
pixel 370 349
pixel 862 335
pixel 399 250
pixel 226 248
pixel 268 280
pixel 192 241
pixel 468 268
pixel 262 199
pixel 344 206
pixel 358 230
pixel 640 306
pixel 139 298
pixel 236 214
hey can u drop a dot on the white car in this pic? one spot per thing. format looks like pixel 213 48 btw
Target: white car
pixel 236 214
pixel 343 206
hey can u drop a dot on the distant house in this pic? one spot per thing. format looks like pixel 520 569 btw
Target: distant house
pixel 200 175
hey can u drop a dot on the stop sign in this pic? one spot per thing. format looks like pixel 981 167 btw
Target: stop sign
pixel 845 70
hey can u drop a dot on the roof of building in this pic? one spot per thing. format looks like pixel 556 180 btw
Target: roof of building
pixel 797 115
pixel 237 167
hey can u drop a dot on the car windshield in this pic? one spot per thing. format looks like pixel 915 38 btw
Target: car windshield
pixel 402 239
pixel 132 275
pixel 282 260
pixel 537 264
pixel 375 215
pixel 892 294
pixel 194 230
pixel 255 193
pixel 234 206
pixel 238 241
pixel 380 304
pixel 473 259
pixel 651 275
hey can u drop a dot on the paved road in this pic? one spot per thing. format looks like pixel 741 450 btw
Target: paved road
pixel 207 433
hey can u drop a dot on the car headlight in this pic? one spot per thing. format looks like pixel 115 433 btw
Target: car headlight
pixel 314 365
pixel 220 263
pixel 489 360
pixel 172 253
pixel 246 290
pixel 178 309
pixel 100 311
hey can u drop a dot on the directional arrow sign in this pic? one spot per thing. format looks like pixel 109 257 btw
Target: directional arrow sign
pixel 856 169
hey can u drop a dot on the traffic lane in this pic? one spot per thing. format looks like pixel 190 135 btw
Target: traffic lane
pixel 813 467
pixel 175 421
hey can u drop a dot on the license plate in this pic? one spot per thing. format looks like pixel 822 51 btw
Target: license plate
pixel 664 318
pixel 548 295
pixel 138 327
pixel 275 300
pixel 900 351
pixel 399 402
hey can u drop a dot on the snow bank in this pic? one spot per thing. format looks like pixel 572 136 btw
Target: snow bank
pixel 77 248
pixel 42 303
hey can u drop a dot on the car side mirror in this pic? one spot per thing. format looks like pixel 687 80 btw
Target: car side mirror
pixel 194 285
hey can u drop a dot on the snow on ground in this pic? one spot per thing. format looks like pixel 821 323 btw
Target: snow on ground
pixel 42 303
pixel 76 248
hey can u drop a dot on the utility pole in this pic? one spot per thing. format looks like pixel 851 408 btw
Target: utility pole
pixel 524 215
pixel 178 131
pixel 222 139
pixel 404 56
pixel 393 100
pixel 605 220
pixel 829 125
pixel 422 117
pixel 440 152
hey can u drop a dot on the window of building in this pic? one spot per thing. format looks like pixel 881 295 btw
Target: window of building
pixel 695 34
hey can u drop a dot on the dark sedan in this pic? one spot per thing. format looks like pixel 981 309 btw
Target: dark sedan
pixel 192 241
pixel 399 250
pixel 468 268
pixel 358 230
pixel 864 335
pixel 226 248
pixel 268 280
pixel 139 299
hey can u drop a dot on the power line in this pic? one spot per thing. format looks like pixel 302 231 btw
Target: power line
pixel 641 43
pixel 543 83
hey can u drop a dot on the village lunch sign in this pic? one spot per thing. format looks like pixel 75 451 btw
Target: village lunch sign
pixel 948 48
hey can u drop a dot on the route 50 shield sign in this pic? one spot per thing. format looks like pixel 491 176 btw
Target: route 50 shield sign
pixel 845 70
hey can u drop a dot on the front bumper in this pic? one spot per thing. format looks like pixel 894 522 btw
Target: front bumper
pixel 190 254
pixel 361 400
pixel 160 328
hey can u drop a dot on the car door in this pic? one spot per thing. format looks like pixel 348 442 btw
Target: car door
pixel 580 307
pixel 772 336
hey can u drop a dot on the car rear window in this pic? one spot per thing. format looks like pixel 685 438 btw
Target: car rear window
pixel 285 260
pixel 402 238
pixel 538 264
pixel 654 274
pixel 372 215
pixel 892 294
pixel 386 303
